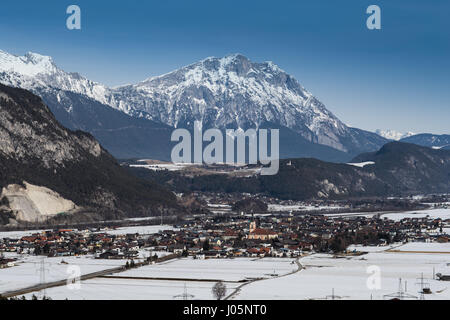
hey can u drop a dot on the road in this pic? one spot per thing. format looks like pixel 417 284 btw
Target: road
pixel 238 289
pixel 58 283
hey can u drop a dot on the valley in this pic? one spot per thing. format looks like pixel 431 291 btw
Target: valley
pixel 94 204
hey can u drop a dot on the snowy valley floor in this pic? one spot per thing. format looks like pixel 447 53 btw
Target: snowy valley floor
pixel 349 276
pixel 322 273
pixel 162 281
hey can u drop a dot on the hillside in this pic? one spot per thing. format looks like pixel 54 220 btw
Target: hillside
pixel 122 135
pixel 70 165
pixel 429 140
pixel 399 169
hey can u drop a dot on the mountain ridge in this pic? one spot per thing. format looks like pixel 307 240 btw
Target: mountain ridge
pixel 435 141
pixel 397 169
pixel 234 92
pixel 228 92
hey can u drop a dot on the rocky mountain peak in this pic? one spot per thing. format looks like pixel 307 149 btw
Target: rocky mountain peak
pixel 31 64
pixel 227 92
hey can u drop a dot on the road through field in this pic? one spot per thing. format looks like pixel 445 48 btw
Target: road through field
pixel 238 289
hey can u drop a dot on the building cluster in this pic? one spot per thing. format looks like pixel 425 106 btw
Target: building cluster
pixel 276 235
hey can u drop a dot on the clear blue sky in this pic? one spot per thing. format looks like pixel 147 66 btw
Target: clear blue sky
pixel 394 78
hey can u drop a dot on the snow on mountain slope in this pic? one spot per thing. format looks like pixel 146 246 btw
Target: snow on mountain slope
pixel 229 92
pixel 393 135
pixel 33 71
pixel 235 92
pixel 429 140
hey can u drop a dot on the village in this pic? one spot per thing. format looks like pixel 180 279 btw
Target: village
pixel 234 241
pixel 227 236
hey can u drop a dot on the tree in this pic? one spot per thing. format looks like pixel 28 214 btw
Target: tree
pixel 219 290
pixel 338 244
pixel 37 250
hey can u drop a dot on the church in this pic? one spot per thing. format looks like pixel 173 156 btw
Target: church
pixel 260 234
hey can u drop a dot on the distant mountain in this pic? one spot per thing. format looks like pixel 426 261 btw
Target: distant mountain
pixel 411 168
pixel 122 135
pixel 393 135
pixel 430 140
pixel 34 71
pixel 397 169
pixel 229 92
pixel 50 172
pixel 78 103
pixel 234 92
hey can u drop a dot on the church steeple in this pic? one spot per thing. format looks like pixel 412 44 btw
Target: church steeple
pixel 252 226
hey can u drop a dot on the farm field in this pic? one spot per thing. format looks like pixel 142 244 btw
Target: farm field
pixel 126 289
pixel 231 271
pixel 432 213
pixel 322 274
pixel 138 229
pixel 216 269
pixel 348 277
pixel 27 271
pixel 397 216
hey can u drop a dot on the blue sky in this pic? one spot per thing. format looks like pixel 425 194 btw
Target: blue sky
pixel 394 78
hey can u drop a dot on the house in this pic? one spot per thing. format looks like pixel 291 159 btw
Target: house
pixel 108 255
pixel 176 248
pixel 6 263
pixel 261 234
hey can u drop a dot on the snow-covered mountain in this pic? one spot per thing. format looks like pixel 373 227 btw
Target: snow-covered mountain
pixel 393 135
pixel 229 92
pixel 33 71
pixel 79 103
pixel 235 92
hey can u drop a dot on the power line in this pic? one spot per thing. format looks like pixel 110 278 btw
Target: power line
pixel 43 269
pixel 185 295
pixel 333 296
pixel 401 294
pixel 423 286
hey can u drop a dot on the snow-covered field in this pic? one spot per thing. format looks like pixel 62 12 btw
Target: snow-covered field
pixel 299 207
pixel 397 216
pixel 361 248
pixel 126 289
pixel 18 234
pixel 215 269
pixel 349 276
pixel 124 230
pixel 425 247
pixel 432 213
pixel 139 229
pixel 27 271
pixel 188 269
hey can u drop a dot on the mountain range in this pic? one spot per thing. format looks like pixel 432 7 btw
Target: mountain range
pixel 430 140
pixel 228 92
pixel 393 135
pixel 52 174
